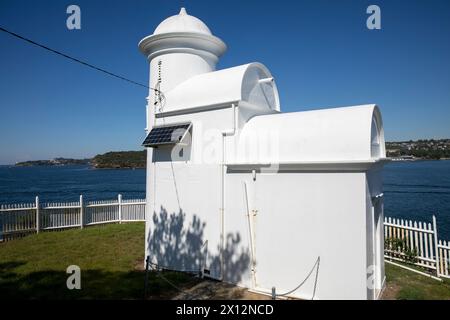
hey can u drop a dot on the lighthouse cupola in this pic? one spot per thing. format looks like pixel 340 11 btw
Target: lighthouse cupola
pixel 181 47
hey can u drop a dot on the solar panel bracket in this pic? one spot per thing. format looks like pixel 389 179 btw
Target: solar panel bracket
pixel 163 135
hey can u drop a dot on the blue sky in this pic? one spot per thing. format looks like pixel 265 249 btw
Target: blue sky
pixel 320 52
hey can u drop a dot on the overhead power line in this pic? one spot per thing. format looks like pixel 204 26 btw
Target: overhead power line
pixel 74 59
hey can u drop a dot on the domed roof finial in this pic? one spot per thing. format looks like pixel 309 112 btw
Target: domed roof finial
pixel 182 22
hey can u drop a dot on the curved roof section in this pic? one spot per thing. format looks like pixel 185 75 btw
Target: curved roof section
pixel 251 83
pixel 182 22
pixel 329 135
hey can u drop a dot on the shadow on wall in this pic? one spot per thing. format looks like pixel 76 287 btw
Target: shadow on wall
pixel 177 244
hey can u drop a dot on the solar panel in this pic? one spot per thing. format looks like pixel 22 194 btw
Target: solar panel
pixel 167 134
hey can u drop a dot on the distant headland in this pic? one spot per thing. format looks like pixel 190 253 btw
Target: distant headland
pixel 120 159
pixel 53 162
pixel 109 160
pixel 432 149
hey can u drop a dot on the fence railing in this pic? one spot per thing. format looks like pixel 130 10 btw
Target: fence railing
pixel 405 240
pixel 417 243
pixel 20 219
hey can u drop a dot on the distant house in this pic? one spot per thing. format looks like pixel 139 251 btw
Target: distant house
pixel 250 195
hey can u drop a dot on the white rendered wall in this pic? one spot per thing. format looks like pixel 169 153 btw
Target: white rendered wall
pixel 176 68
pixel 375 232
pixel 149 194
pixel 188 190
pixel 169 70
pixel 301 216
pixel 187 214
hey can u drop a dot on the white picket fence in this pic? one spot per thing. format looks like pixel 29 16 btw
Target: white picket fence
pixel 405 239
pixel 417 243
pixel 20 219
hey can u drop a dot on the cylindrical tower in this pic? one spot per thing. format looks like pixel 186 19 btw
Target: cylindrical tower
pixel 181 47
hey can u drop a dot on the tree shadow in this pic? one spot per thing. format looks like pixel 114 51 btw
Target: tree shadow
pixel 177 241
pixel 174 243
pixel 95 284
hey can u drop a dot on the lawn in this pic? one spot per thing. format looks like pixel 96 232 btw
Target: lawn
pixel 111 261
pixel 403 284
pixel 110 258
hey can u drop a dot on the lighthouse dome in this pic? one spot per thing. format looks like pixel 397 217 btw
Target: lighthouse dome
pixel 184 47
pixel 182 22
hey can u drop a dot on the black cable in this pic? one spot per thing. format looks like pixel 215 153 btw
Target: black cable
pixel 74 59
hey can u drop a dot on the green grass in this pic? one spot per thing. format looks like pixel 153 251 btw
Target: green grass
pixel 110 258
pixel 403 284
pixel 111 261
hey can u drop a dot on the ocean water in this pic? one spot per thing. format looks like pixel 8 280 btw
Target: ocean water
pixel 417 190
pixel 413 190
pixel 66 183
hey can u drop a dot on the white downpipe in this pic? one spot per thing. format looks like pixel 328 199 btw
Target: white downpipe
pixel 230 132
pixel 252 235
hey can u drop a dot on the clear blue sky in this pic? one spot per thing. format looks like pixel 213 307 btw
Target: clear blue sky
pixel 320 52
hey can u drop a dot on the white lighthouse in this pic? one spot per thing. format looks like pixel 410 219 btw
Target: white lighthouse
pixel 246 194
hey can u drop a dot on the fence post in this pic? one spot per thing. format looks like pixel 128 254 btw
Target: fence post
pixel 119 200
pixel 38 227
pixel 436 247
pixel 81 212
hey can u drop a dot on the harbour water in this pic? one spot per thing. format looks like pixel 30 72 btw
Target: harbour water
pixel 413 190
pixel 66 183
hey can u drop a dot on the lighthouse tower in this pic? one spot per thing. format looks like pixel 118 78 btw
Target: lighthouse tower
pixel 181 47
pixel 241 192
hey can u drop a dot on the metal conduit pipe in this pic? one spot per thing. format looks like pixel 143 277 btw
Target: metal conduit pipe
pixel 230 132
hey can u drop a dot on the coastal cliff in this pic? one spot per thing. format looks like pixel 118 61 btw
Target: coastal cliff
pixel 120 159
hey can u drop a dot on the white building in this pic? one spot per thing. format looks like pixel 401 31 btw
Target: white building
pixel 250 195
